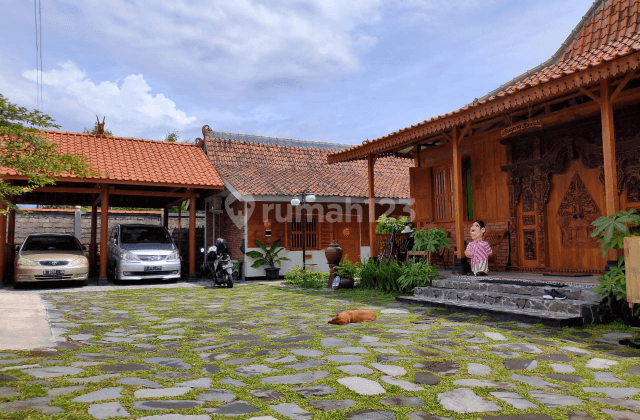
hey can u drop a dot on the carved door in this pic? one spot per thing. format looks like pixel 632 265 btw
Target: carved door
pixel 347 235
pixel 527 225
pixel 576 199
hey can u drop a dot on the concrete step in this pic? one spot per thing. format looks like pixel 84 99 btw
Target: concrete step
pixel 531 316
pixel 516 287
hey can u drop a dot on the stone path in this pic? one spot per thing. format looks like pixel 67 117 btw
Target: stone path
pixel 262 352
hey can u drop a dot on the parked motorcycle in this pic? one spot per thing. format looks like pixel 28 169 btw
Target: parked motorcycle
pixel 219 263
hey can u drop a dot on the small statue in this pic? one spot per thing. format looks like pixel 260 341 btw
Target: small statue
pixel 478 251
pixel 100 128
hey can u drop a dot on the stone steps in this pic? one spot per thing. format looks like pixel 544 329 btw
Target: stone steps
pixel 514 300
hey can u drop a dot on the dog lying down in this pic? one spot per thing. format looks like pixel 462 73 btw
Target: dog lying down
pixel 359 315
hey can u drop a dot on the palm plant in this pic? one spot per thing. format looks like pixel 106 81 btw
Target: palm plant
pixel 268 256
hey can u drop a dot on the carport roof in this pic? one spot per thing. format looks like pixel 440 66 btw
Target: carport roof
pixel 121 160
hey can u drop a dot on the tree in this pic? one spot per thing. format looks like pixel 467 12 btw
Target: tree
pixel 22 149
pixel 172 136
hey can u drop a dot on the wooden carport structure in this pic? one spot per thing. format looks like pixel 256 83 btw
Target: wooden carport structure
pixel 130 173
pixel 593 74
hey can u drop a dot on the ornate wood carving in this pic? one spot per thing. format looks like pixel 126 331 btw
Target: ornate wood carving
pixel 529 244
pixel 575 214
pixel 529 220
pixel 528 200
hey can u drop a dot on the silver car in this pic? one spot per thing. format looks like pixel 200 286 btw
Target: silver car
pixel 139 252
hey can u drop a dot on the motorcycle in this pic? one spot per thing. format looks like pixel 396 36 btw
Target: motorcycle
pixel 218 261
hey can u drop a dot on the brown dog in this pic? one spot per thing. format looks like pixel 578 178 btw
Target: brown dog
pixel 347 317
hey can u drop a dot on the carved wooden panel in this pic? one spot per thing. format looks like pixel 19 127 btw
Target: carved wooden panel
pixel 575 214
pixel 633 190
pixel 527 200
pixel 529 220
pixel 529 244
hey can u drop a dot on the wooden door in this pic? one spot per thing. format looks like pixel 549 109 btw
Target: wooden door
pixel 576 199
pixel 347 235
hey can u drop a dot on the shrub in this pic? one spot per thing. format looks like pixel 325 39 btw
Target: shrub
pixel 346 269
pixel 380 275
pixel 417 274
pixel 298 277
pixel 389 224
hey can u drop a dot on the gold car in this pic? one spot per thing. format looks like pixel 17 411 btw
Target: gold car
pixel 51 257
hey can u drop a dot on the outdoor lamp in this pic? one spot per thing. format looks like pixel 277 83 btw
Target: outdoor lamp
pixel 295 201
pixel 407 229
pixel 303 198
pixel 310 198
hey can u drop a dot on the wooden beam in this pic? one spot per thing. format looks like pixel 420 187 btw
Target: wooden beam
pixel 371 161
pixel 165 217
pixel 590 94
pixel 177 202
pixel 71 190
pixel 104 233
pixel 96 200
pixel 447 137
pixel 464 131
pixel 609 150
pixel 184 195
pixel 621 86
pixel 457 193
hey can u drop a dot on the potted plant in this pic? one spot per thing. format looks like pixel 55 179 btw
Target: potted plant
pixel 268 256
pixel 347 271
pixel 430 241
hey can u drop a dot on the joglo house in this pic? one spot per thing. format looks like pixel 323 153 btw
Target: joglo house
pixel 538 160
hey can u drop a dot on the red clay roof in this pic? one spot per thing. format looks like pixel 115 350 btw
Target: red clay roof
pixel 130 160
pixel 610 30
pixel 270 169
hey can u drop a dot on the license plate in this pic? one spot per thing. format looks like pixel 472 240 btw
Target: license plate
pixel 152 268
pixel 230 265
pixel 53 273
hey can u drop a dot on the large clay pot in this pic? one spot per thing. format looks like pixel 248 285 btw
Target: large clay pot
pixel 334 255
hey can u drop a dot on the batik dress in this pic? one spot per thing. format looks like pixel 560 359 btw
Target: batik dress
pixel 480 260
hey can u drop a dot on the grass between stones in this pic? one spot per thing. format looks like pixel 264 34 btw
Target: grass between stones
pixel 264 321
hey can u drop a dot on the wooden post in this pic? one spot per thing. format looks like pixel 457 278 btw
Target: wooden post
pixel 104 233
pixel 93 245
pixel 371 161
pixel 458 211
pixel 11 239
pixel 165 218
pixel 192 235
pixel 612 203
pixel 3 240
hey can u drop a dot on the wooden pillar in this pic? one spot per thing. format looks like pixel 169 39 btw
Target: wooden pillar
pixel 93 245
pixel 165 218
pixel 612 204
pixel 192 235
pixel 11 239
pixel 3 240
pixel 104 233
pixel 458 201
pixel 371 161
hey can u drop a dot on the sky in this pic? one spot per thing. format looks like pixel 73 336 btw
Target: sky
pixel 319 70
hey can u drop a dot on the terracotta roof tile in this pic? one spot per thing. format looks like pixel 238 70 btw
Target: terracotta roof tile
pixel 610 31
pixel 271 169
pixel 138 160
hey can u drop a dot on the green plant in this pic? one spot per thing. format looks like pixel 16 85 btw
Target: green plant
pixel 417 274
pixel 346 269
pixel 380 275
pixel 269 256
pixel 430 240
pixel 299 277
pixel 391 224
pixel 612 283
pixel 610 231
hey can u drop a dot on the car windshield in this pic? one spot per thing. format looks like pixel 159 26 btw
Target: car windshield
pixel 145 234
pixel 51 243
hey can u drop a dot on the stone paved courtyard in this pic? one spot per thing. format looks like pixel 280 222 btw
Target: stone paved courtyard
pixel 258 351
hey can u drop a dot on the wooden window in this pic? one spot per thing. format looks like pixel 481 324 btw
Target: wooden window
pixel 443 192
pixel 311 231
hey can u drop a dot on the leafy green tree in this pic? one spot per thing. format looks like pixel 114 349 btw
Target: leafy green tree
pixel 23 150
pixel 172 136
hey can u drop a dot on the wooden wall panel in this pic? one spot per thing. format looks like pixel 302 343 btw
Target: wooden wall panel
pixel 421 193
pixel 489 183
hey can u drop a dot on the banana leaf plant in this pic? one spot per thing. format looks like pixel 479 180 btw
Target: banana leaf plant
pixel 268 256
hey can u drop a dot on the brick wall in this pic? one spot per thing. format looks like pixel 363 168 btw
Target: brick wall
pixel 225 228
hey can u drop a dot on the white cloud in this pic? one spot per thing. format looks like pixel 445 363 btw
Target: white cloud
pixel 229 40
pixel 129 106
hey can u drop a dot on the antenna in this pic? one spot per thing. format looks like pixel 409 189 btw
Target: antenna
pixel 37 11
